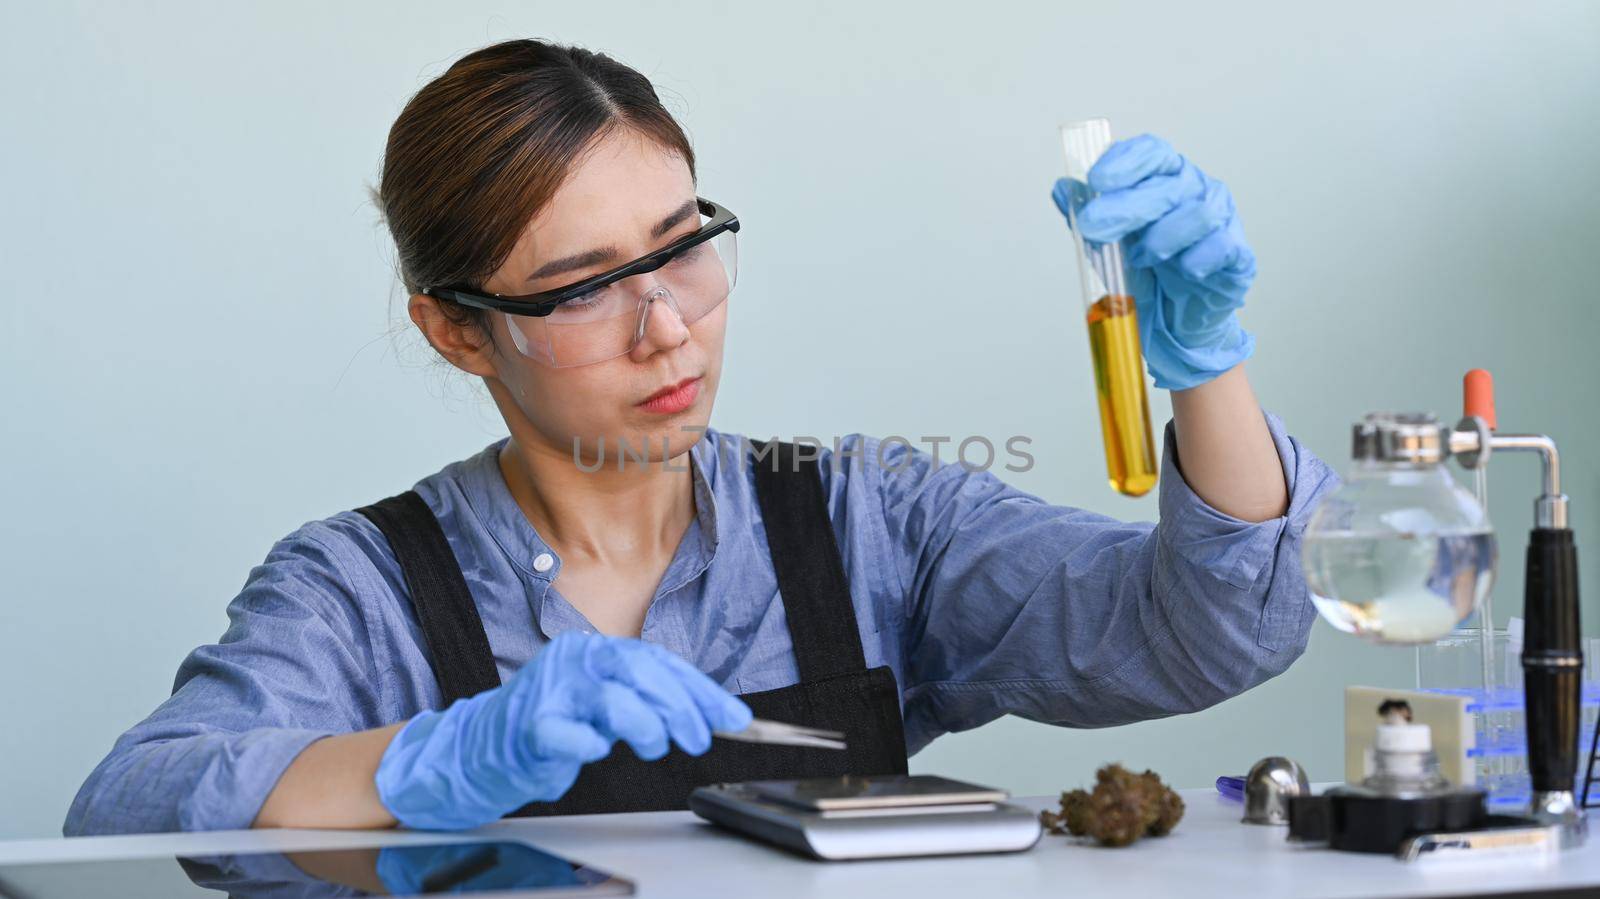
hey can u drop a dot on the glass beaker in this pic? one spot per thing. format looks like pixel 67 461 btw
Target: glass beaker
pixel 1113 326
pixel 1453 665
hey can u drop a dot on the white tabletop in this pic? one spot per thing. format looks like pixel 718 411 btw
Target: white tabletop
pixel 676 854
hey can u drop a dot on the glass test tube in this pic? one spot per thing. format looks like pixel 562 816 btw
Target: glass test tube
pixel 1113 327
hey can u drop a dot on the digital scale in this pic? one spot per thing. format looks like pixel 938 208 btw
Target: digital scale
pixel 894 816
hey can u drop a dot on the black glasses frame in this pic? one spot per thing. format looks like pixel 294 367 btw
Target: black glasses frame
pixel 545 302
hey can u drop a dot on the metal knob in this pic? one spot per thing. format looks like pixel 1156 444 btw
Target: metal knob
pixel 1267 789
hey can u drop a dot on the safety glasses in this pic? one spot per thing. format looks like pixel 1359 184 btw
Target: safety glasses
pixel 605 316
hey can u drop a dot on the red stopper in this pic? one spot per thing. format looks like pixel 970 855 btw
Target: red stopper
pixel 1477 390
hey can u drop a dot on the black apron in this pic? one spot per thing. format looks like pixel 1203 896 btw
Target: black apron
pixel 836 690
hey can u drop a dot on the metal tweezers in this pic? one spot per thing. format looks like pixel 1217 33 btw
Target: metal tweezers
pixel 779 733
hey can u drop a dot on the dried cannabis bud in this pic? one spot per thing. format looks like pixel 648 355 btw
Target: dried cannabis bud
pixel 1122 808
pixel 1073 817
pixel 1171 806
pixel 1052 822
pixel 1075 811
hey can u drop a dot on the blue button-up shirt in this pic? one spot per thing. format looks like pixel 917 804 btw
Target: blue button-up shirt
pixel 983 600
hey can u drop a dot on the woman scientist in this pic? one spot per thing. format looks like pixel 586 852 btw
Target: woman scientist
pixel 478 646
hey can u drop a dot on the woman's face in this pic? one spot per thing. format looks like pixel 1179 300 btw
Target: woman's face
pixel 616 198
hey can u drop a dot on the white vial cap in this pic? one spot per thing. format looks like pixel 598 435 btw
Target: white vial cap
pixel 1404 738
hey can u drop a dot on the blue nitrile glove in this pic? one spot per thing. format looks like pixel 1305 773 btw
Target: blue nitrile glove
pixel 525 741
pixel 1188 263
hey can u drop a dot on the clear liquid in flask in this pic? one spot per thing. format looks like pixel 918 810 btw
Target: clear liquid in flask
pixel 1399 587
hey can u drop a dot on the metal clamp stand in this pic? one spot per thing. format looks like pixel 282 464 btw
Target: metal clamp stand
pixel 1552 662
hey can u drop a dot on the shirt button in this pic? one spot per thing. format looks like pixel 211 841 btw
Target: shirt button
pixel 543 562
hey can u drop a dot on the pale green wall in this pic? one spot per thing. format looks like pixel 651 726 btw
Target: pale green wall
pixel 194 360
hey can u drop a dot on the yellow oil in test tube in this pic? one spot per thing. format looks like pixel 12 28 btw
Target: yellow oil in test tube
pixel 1113 328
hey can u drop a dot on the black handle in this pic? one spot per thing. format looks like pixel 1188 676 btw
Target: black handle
pixel 1552 663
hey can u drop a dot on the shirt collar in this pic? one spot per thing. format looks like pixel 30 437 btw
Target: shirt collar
pixel 700 543
pixel 703 463
pixel 497 510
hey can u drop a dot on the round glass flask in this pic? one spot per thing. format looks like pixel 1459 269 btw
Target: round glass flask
pixel 1399 553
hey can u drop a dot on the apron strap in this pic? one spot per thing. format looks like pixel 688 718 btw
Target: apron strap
pixel 805 557
pixel 800 539
pixel 458 647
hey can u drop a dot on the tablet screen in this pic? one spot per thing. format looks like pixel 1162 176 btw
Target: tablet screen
pixel 477 869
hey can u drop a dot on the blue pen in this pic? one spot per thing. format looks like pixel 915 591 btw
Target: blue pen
pixel 1231 788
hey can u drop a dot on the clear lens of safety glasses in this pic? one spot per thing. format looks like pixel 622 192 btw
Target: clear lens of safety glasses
pixel 609 321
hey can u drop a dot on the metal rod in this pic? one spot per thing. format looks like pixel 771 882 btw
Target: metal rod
pixel 1539 443
pixel 1550 509
pixel 1485 611
pixel 1466 443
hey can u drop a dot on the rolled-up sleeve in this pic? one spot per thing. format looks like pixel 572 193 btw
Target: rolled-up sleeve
pixel 1060 615
pixel 294 665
